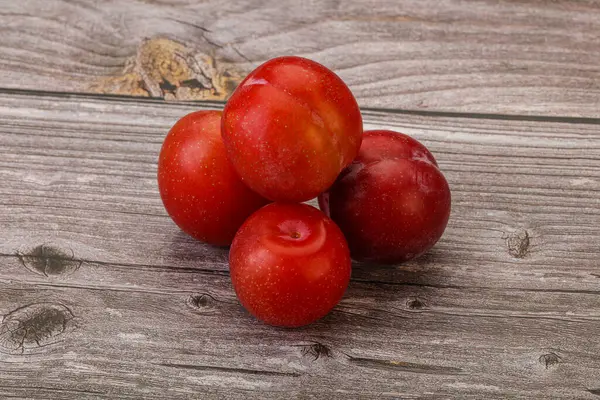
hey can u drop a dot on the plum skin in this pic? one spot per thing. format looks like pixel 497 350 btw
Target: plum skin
pixel 392 203
pixel 290 128
pixel 289 264
pixel 198 186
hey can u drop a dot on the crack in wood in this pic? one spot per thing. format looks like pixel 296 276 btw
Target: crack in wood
pixel 229 369
pixel 154 267
pixel 350 314
pixel 225 273
pixel 393 365
pixel 51 389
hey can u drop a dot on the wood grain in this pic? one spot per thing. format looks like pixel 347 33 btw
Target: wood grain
pixel 103 297
pixel 518 57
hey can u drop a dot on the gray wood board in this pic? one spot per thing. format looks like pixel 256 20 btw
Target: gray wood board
pixel 518 57
pixel 102 297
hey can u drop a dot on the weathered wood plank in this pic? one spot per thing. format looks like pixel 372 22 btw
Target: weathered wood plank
pixel 103 297
pixel 519 57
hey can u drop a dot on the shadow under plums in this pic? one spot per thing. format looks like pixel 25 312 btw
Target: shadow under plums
pixel 430 269
pixel 184 250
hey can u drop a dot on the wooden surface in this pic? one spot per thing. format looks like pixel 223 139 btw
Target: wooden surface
pixel 102 297
pixel 512 56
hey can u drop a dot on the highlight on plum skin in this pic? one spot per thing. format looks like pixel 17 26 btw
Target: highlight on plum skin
pixel 392 203
pixel 290 128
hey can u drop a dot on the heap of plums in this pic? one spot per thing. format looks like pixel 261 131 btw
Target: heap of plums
pixel 290 132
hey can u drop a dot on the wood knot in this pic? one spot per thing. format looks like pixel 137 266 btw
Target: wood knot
pixel 549 360
pixel 172 70
pixel 518 243
pixel 49 260
pixel 202 303
pixel 415 304
pixel 33 326
pixel 316 350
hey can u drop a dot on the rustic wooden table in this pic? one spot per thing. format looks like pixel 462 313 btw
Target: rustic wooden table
pixel 101 296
